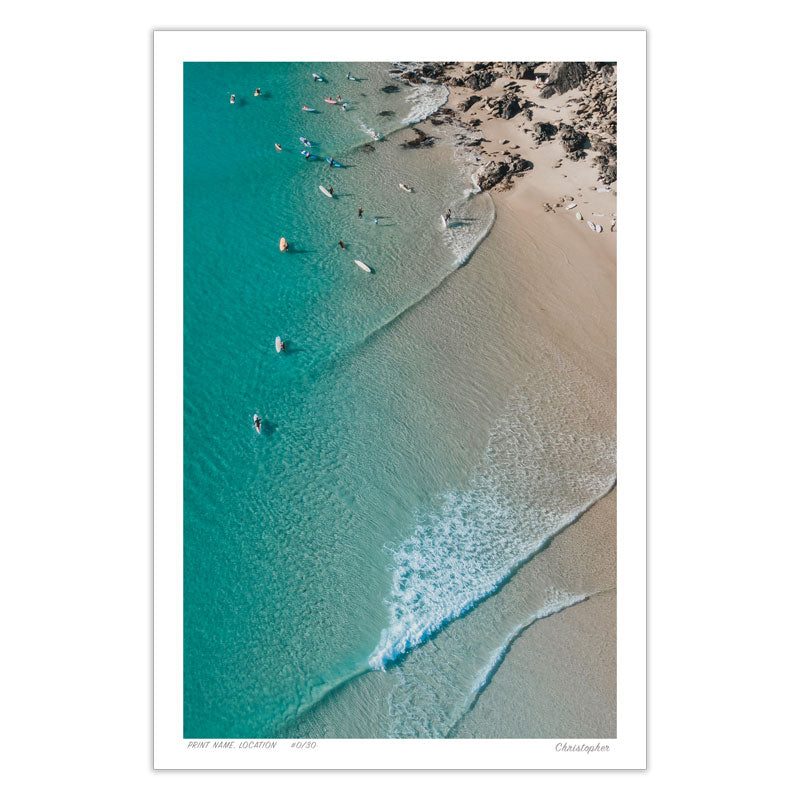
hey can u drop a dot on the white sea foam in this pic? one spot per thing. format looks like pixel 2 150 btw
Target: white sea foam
pixel 425 99
pixel 542 469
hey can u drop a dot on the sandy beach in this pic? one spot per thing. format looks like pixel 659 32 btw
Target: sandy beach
pixel 561 670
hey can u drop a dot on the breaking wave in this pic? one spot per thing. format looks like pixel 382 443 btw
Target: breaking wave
pixel 547 461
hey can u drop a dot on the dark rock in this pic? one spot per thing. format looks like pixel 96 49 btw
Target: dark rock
pixel 455 81
pixel 508 107
pixel 411 77
pixel 573 141
pixel 475 122
pixel 606 161
pixel 432 70
pixel 565 75
pixel 391 88
pixel 367 148
pixel 522 70
pixel 480 80
pixel 496 171
pixel 386 113
pixel 469 102
pixel 542 131
pixel 421 140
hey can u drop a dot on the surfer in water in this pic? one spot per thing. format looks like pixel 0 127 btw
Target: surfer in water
pixel 257 92
pixel 375 221
pixel 447 216
pixel 330 189
pixel 308 155
pixel 341 244
pixel 360 211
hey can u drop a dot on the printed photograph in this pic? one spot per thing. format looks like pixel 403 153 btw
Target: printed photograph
pixel 399 400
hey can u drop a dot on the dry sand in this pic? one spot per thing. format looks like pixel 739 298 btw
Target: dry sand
pixel 561 670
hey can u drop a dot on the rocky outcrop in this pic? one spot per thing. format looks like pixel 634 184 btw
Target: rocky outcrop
pixel 565 75
pixel 421 140
pixel 573 141
pixel 432 69
pixel 386 113
pixel 542 131
pixel 606 161
pixel 391 88
pixel 597 111
pixel 480 79
pixel 500 173
pixel 521 70
pixel 467 104
pixel 507 106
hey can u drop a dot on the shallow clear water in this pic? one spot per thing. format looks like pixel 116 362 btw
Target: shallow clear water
pixel 397 480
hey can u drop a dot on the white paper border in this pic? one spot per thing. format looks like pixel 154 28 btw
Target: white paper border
pixel 628 49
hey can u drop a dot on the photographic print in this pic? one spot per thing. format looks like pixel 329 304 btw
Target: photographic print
pixel 398 406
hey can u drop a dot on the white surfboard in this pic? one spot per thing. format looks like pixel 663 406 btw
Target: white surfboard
pixel 325 191
pixel 578 215
pixel 404 187
pixel 363 266
pixel 278 344
pixel 591 224
pixel 571 205
pixel 444 221
pixel 598 228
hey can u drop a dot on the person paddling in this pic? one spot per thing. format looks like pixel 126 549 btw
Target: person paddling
pixel 330 189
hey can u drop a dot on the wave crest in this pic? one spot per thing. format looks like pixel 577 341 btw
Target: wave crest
pixel 544 466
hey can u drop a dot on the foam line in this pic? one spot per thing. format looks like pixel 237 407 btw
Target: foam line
pixel 423 617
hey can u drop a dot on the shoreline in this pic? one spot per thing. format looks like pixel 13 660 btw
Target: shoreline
pixel 570 298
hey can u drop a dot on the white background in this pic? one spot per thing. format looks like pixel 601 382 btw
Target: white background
pixel 76 342
pixel 172 49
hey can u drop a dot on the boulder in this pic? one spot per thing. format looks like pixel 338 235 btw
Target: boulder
pixel 606 161
pixel 467 104
pixel 480 80
pixel 573 141
pixel 496 171
pixel 521 70
pixel 508 107
pixel 432 70
pixel 421 140
pixel 391 88
pixel 542 131
pixel 565 75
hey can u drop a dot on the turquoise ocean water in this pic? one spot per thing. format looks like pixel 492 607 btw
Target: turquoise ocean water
pixel 332 560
